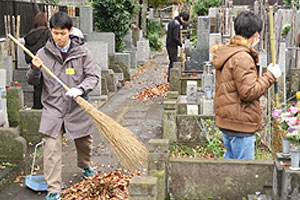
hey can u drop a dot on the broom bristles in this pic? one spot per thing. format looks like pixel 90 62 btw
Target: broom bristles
pixel 131 152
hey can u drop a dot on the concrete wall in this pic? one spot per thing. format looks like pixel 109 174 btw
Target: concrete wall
pixel 217 179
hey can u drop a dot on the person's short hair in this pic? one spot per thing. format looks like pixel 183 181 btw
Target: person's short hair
pixel 61 20
pixel 40 19
pixel 184 15
pixel 246 24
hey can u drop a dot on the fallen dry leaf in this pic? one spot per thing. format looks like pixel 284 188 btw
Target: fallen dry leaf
pixel 112 185
pixel 158 90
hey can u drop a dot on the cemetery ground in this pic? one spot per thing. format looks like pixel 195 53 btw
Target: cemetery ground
pixel 144 118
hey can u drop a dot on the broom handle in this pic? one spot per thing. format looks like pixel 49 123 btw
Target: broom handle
pixel 273 53
pixel 43 66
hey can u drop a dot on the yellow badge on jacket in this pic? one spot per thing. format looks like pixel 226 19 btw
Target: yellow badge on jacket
pixel 70 71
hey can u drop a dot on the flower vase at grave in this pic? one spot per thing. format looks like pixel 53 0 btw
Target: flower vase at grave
pixel 295 159
pixel 286 145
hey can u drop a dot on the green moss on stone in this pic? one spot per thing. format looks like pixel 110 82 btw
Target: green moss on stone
pixel 14 104
pixel 30 123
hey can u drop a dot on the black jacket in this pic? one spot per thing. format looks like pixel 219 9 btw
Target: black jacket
pixel 173 33
pixel 36 39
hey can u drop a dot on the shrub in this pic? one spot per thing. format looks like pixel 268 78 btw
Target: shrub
pixel 288 3
pixel 154 30
pixel 114 16
pixel 200 7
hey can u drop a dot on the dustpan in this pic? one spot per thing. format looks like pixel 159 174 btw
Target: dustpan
pixel 37 182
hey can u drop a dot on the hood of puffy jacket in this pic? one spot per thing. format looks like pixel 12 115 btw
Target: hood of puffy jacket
pixel 36 35
pixel 222 53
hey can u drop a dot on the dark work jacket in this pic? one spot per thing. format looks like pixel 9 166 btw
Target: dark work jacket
pixel 173 33
pixel 36 39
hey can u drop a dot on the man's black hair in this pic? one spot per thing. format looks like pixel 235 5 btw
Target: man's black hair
pixel 61 20
pixel 185 16
pixel 246 24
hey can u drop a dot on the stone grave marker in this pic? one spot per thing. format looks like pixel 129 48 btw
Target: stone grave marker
pixel 3 113
pixel 128 41
pixel 86 19
pixel 21 56
pixel 201 53
pixel 207 106
pixel 124 58
pixel 97 90
pixel 143 51
pixel 99 51
pixel 7 65
pixel 133 58
pixel 192 109
pixel 214 38
pixel 107 37
pixel 191 91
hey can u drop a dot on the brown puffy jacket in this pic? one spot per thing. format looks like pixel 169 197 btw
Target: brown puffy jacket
pixel 238 86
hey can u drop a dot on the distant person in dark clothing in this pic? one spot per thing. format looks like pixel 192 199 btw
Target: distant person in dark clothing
pixel 34 40
pixel 173 38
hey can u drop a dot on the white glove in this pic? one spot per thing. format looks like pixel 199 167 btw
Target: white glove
pixel 276 71
pixel 182 47
pixel 74 92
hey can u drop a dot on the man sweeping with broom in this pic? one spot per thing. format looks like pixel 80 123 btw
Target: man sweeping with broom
pixel 73 64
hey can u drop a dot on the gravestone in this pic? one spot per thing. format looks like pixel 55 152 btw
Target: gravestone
pixel 214 38
pixel 201 53
pixel 128 41
pixel 2 93
pixel 193 63
pixel 212 12
pixel 208 81
pixel 76 21
pixel 21 59
pixel 191 91
pixel 97 90
pixel 99 51
pixel 124 58
pixel 107 37
pixel 86 19
pixel 207 106
pixel 143 52
pixel 4 117
pixel 133 58
pixel 7 65
pixel 2 82
pixel 20 76
pixel 203 35
pixel 192 110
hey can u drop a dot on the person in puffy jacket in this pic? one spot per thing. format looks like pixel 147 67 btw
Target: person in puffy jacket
pixel 34 40
pixel 65 55
pixel 238 87
pixel 173 38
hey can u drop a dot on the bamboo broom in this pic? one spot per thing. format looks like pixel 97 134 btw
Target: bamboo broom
pixel 130 151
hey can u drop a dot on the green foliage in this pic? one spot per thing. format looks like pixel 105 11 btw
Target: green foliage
pixel 194 40
pixel 285 30
pixel 114 16
pixel 154 30
pixel 52 2
pixel 158 3
pixel 200 7
pixel 215 147
pixel 288 3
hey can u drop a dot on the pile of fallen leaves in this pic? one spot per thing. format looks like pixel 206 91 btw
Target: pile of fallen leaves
pixel 112 185
pixel 158 90
pixel 140 71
